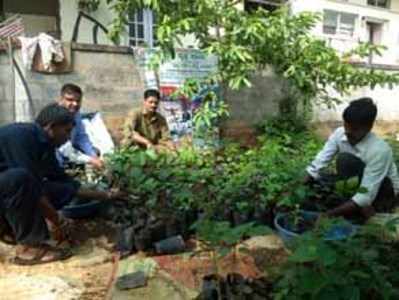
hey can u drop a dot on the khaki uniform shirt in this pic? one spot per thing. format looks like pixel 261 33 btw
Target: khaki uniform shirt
pixel 152 127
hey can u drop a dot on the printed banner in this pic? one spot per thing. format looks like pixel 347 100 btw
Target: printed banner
pixel 188 64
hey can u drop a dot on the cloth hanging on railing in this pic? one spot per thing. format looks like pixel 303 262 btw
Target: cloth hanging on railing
pixel 50 48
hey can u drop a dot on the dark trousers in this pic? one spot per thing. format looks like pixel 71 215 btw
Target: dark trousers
pixel 60 193
pixel 19 206
pixel 348 166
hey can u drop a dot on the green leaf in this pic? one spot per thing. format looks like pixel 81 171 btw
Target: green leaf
pixel 305 253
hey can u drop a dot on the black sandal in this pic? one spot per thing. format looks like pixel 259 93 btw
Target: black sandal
pixel 39 257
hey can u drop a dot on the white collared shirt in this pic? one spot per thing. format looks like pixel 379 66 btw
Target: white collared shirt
pixel 373 151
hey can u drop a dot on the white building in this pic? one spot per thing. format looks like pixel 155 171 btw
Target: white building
pixel 346 23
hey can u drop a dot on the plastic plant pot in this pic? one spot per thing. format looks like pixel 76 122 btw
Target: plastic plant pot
pixel 83 210
pixel 335 233
pixel 170 245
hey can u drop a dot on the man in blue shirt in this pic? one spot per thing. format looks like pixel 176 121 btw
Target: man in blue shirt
pixel 33 186
pixel 71 99
pixel 27 166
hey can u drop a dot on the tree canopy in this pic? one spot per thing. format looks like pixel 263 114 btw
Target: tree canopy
pixel 246 42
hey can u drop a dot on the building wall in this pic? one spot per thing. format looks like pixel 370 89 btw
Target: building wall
pixel 104 15
pixel 35 24
pixel 6 108
pixel 385 98
pixel 253 105
pixel 110 81
pixel 388 17
pixel 113 85
pixel 69 13
pixel 36 7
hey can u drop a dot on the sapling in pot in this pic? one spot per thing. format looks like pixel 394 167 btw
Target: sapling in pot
pixel 220 239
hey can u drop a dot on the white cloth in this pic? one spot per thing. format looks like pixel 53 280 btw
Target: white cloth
pixel 99 137
pixel 51 50
pixel 72 154
pixel 99 134
pixel 373 151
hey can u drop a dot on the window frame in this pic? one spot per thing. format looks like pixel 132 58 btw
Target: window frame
pixel 339 31
pixel 376 4
pixel 149 25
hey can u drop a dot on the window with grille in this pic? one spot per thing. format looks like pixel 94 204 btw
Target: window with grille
pixel 379 3
pixel 142 28
pixel 340 23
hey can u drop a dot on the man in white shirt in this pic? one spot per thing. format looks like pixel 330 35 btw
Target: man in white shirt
pixel 360 153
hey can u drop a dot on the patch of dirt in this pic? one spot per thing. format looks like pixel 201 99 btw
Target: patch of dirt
pixel 91 266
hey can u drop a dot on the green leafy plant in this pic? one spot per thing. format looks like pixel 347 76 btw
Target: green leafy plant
pixel 221 237
pixel 349 269
pixel 349 187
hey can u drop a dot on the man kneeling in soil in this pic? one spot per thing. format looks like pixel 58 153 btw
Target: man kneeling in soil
pixel 33 186
pixel 146 128
pixel 360 153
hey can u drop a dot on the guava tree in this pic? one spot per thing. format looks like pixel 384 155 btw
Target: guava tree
pixel 246 42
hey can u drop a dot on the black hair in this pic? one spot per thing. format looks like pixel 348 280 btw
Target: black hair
pixel 71 88
pixel 361 112
pixel 152 93
pixel 54 114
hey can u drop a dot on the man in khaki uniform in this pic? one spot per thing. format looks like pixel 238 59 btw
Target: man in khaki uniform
pixel 145 127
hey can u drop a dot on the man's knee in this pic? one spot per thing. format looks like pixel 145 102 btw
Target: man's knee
pixel 19 175
pixel 19 182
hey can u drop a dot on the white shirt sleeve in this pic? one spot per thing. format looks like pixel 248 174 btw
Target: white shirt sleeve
pixel 374 173
pixel 72 154
pixel 325 155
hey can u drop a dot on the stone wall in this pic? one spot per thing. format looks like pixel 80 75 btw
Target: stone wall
pixel 107 75
pixel 252 106
pixel 6 108
pixel 112 85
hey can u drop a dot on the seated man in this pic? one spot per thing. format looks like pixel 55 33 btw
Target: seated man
pixel 360 153
pixel 71 99
pixel 145 127
pixel 33 186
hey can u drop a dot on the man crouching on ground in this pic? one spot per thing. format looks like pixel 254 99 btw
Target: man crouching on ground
pixel 360 153
pixel 33 186
pixel 147 128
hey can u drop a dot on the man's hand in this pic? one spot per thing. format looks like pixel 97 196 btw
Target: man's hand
pixel 96 162
pixel 307 179
pixel 101 195
pixel 346 209
pixel 115 194
pixel 367 212
pixel 149 145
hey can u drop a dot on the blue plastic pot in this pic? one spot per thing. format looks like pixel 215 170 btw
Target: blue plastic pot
pixel 84 210
pixel 337 232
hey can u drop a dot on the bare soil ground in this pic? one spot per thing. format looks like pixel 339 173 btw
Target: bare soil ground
pixel 90 268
